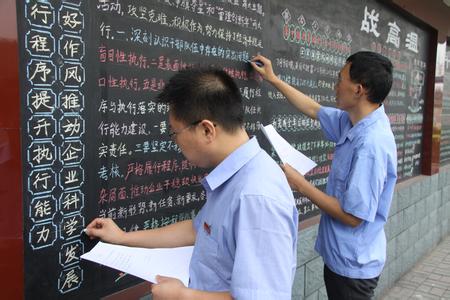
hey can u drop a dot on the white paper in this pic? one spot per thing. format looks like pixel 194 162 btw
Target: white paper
pixel 143 262
pixel 286 152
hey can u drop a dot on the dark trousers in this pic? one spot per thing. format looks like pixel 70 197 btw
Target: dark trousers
pixel 344 288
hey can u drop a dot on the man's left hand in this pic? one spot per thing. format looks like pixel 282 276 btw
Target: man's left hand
pixel 167 288
pixel 296 180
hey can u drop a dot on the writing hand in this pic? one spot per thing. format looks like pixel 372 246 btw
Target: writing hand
pixel 106 230
pixel 167 288
pixel 263 66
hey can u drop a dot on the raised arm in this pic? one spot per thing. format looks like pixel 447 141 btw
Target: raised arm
pixel 174 235
pixel 301 101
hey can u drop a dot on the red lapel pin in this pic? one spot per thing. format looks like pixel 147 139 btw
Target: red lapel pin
pixel 207 228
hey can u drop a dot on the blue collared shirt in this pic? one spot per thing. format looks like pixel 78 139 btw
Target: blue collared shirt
pixel 247 230
pixel 362 177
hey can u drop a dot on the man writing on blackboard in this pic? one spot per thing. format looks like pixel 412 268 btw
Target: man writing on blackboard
pixel 355 207
pixel 245 235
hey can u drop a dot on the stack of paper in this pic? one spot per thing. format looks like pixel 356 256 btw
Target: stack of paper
pixel 142 262
pixel 286 152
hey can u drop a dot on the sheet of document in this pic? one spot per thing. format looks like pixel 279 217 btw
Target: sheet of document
pixel 142 262
pixel 286 152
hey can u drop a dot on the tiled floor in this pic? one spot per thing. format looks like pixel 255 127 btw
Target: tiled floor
pixel 429 279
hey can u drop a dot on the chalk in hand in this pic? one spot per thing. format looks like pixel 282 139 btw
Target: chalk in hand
pixel 121 275
pixel 257 62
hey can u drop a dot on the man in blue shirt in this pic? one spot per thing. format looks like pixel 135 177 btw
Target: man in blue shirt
pixel 351 238
pixel 245 236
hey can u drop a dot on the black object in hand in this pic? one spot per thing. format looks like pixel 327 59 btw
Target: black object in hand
pixel 257 62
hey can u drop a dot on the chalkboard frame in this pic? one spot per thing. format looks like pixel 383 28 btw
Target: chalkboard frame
pixel 446 161
pixel 430 81
pixel 430 143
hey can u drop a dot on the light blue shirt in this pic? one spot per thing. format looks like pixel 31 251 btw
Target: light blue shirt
pixel 247 230
pixel 362 178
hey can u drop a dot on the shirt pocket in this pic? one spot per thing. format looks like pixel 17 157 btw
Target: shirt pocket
pixel 207 250
pixel 341 166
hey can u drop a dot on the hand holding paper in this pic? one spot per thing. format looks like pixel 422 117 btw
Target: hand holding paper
pixel 167 288
pixel 286 152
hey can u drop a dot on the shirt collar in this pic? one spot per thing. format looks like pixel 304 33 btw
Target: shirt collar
pixel 364 123
pixel 231 164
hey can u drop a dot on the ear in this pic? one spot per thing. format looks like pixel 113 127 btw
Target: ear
pixel 359 90
pixel 209 130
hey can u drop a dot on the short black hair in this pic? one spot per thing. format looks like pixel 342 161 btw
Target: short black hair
pixel 374 72
pixel 200 93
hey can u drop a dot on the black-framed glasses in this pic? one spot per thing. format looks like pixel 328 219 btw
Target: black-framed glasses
pixel 172 133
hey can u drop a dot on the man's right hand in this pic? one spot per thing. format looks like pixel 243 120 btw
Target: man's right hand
pixel 265 70
pixel 301 101
pixel 106 230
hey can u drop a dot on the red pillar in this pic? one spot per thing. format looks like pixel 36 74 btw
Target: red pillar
pixel 11 210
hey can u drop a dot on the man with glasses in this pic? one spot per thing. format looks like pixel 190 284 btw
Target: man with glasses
pixel 172 134
pixel 245 236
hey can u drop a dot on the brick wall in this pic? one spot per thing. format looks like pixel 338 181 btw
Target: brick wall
pixel 419 218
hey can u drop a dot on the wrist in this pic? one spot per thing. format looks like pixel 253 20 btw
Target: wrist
pixel 273 79
pixel 302 186
pixel 122 238
pixel 185 293
pixel 298 188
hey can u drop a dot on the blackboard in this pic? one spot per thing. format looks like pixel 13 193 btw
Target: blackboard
pixel 95 141
pixel 445 117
